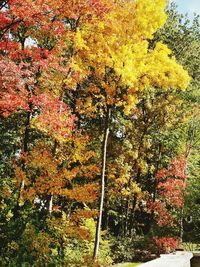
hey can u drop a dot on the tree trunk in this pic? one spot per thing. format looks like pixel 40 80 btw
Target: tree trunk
pixel 51 204
pixel 25 145
pixel 52 196
pixel 103 169
pixel 105 216
pixel 27 127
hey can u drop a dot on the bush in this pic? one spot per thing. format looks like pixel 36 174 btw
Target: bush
pixel 128 249
pixel 79 252
pixel 165 244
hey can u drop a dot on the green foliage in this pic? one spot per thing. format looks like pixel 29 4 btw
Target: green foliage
pixel 191 212
pixel 188 246
pixel 123 250
pixel 79 252
pixel 131 249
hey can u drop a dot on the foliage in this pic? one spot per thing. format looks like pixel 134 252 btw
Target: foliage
pixel 166 244
pixel 63 67
pixel 190 246
pixel 123 250
pixel 137 248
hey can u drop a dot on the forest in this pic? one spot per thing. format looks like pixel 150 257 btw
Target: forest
pixel 99 132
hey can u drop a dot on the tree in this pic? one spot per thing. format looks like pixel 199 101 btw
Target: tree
pixel 120 75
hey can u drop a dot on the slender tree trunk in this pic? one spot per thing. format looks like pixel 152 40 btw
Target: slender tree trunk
pixel 105 216
pixel 52 196
pixel 26 133
pixel 25 144
pixel 27 126
pixel 104 150
pixel 51 204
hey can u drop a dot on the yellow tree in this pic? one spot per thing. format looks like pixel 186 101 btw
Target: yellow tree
pixel 114 52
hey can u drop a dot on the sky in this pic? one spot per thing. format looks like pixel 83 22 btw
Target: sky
pixel 188 6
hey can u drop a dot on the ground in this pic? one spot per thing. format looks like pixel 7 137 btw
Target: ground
pixel 127 264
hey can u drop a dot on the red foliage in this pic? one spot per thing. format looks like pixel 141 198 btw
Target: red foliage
pixel 13 93
pixel 162 214
pixel 166 244
pixel 48 15
pixel 177 169
pixel 4 20
pixel 55 117
pixel 9 47
pixel 171 182
pixel 172 191
pixel 99 7
pixel 170 185
pixel 21 65
pixel 162 174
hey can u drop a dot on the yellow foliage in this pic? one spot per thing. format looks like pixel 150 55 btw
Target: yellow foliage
pixel 9 215
pixel 119 42
pixel 20 176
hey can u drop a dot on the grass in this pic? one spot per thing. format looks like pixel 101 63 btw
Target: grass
pixel 128 264
pixel 131 264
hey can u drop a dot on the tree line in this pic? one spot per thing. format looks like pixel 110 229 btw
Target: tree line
pixel 99 115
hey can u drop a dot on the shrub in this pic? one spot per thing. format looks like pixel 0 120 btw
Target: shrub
pixel 165 244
